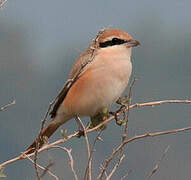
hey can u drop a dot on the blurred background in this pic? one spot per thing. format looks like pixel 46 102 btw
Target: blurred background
pixel 39 41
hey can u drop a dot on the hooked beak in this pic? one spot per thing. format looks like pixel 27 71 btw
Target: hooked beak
pixel 132 43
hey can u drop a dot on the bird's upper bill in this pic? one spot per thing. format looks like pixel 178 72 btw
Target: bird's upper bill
pixel 108 37
pixel 132 43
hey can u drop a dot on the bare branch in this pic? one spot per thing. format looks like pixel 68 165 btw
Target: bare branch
pixel 22 156
pixel 137 105
pixel 116 150
pixel 2 3
pixel 91 152
pixel 10 104
pixel 156 167
pixel 127 174
pixel 124 136
pixel 40 137
pixel 45 169
pixel 49 146
pixel 71 159
pixel 115 167
pixel 89 177
pixel 35 162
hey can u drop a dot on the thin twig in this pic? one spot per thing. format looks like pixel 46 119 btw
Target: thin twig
pixel 89 177
pixel 124 136
pixel 7 105
pixel 22 156
pixel 137 105
pixel 91 152
pixel 40 137
pixel 156 167
pixel 116 150
pixel 71 160
pixel 101 167
pixel 41 167
pixel 2 3
pixel 127 174
pixel 35 162
pixel 48 146
pixel 46 115
pixel 115 167
pixel 46 169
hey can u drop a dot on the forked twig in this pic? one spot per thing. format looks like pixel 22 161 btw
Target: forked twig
pixel 156 167
pixel 115 167
pixel 46 169
pixel 125 176
pixel 138 105
pixel 2 3
pixel 41 167
pixel 40 137
pixel 91 153
pixel 89 174
pixel 7 105
pixel 124 136
pixel 69 151
pixel 48 146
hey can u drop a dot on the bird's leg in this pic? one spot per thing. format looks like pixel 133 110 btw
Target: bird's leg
pixel 99 118
pixel 123 101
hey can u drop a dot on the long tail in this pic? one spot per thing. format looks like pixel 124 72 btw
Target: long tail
pixel 48 131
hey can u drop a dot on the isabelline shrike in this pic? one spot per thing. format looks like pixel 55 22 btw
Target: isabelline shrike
pixel 97 79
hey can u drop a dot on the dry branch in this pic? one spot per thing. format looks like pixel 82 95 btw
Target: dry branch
pixel 116 150
pixel 91 152
pixel 152 104
pixel 89 176
pixel 69 151
pixel 2 3
pixel 45 169
pixel 115 167
pixel 7 105
pixel 156 167
pixel 137 105
pixel 124 135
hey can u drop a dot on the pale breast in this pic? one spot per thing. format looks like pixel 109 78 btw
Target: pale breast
pixel 100 85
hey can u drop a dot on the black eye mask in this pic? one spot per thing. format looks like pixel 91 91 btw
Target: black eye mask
pixel 113 42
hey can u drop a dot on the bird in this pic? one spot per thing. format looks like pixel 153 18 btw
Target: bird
pixel 97 79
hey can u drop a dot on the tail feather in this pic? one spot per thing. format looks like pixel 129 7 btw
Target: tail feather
pixel 47 132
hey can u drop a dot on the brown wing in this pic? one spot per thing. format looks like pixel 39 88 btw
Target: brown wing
pixel 78 68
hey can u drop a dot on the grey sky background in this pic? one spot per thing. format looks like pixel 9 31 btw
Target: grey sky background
pixel 39 41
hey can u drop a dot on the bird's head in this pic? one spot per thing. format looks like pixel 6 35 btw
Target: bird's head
pixel 115 37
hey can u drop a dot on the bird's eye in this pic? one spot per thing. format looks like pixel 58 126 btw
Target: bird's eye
pixel 116 41
pixel 113 42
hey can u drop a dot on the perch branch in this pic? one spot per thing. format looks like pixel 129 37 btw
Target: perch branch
pixel 152 104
